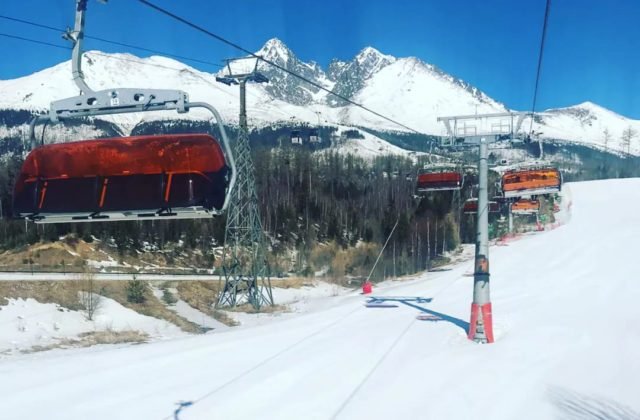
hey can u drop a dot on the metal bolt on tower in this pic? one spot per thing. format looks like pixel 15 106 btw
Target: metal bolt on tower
pixel 480 130
pixel 245 267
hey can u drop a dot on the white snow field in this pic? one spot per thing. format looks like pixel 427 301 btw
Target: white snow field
pixel 565 305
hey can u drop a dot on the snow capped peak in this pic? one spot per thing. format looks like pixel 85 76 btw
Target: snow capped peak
pixel 373 59
pixel 588 104
pixel 588 122
pixel 407 89
pixel 275 43
pixel 372 54
pixel 585 108
pixel 285 86
pixel 275 50
pixel 350 77
pixel 593 107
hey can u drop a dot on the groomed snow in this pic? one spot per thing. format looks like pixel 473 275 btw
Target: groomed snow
pixel 565 306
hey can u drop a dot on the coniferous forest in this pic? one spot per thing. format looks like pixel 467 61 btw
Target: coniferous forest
pixel 323 211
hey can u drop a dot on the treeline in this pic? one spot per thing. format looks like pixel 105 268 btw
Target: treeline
pixel 322 211
pixel 307 200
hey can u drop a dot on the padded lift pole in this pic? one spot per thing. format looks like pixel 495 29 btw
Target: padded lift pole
pixel 481 325
pixel 480 130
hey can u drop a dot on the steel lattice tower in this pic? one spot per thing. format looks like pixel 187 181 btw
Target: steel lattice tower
pixel 245 266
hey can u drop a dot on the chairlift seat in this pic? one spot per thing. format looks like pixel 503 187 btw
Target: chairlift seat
pixel 471 206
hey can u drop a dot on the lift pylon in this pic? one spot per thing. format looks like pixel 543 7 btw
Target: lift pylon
pixel 245 268
pixel 480 130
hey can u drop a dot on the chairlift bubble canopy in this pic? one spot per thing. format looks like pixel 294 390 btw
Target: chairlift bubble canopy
pixel 141 177
pixel 531 181
pixel 525 206
pixel 439 179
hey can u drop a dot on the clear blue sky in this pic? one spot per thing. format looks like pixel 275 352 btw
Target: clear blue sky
pixel 592 52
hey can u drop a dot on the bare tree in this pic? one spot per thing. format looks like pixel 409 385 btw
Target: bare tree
pixel 627 135
pixel 89 297
pixel 607 138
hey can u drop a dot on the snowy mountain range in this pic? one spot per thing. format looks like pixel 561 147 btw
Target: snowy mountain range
pixel 405 89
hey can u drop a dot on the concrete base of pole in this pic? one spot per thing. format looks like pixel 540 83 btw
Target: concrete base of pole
pixel 481 325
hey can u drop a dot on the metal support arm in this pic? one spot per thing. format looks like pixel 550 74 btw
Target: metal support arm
pixel 77 36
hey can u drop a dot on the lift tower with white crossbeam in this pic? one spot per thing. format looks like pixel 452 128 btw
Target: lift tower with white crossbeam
pixel 470 131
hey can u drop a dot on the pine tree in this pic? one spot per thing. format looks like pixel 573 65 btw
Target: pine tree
pixel 136 291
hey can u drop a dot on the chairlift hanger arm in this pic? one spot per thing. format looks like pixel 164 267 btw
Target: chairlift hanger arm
pixel 76 37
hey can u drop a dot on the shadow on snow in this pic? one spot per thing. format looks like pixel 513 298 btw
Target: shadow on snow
pixel 414 301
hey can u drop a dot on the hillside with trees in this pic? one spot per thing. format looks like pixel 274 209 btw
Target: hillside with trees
pixel 323 211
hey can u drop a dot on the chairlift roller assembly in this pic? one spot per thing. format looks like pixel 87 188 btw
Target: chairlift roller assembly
pixel 129 178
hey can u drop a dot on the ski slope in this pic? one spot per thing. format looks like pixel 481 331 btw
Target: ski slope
pixel 566 311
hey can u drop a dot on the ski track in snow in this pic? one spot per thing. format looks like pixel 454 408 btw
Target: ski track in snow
pixel 565 309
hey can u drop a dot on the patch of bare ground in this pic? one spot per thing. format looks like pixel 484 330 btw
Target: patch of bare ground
pixel 291 282
pixel 70 255
pixel 266 309
pixel 67 255
pixel 203 296
pixel 92 338
pixel 64 293
pixel 152 306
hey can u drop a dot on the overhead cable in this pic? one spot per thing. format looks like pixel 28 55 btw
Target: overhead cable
pixel 108 41
pixel 272 63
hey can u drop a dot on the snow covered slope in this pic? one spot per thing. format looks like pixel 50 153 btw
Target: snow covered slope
pixel 416 93
pixel 590 124
pixel 103 71
pixel 25 324
pixel 567 345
